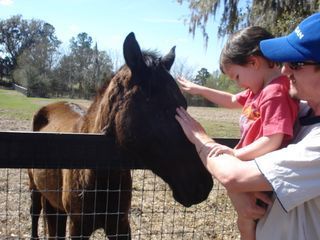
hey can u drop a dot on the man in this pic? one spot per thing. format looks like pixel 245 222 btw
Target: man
pixel 293 173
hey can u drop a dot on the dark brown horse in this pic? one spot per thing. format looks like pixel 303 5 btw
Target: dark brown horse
pixel 137 109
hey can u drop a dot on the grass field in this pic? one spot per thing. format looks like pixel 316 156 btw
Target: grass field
pixel 218 122
pixel 14 105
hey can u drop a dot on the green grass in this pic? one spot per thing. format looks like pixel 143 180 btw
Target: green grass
pixel 14 105
pixel 220 129
pixel 218 122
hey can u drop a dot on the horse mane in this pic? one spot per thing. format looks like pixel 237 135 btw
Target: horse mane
pixel 101 113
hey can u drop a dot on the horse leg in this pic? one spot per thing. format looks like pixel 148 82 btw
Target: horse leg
pixel 78 228
pixel 35 206
pixel 118 228
pixel 56 221
pixel 35 210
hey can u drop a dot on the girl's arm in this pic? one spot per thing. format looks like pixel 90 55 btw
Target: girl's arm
pixel 221 98
pixel 259 147
pixel 256 149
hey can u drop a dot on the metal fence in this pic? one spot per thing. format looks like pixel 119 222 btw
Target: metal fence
pixel 154 214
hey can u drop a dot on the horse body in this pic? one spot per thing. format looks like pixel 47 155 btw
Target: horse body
pixel 137 109
pixel 70 189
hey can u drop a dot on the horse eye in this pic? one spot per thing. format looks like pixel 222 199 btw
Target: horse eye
pixel 169 112
pixel 162 114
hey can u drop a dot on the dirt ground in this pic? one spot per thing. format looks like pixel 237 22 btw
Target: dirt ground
pixel 154 213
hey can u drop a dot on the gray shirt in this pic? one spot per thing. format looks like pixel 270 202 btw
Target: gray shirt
pixel 294 173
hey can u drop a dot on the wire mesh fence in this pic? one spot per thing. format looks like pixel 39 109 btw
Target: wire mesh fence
pixel 154 214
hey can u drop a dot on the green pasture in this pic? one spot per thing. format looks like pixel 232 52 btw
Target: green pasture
pixel 221 128
pixel 218 122
pixel 16 106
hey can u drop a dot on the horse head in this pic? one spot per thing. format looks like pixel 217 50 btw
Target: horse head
pixel 142 100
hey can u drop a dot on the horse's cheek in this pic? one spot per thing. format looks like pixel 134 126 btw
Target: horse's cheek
pixel 123 128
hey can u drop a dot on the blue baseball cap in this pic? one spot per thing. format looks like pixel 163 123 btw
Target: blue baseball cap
pixel 303 44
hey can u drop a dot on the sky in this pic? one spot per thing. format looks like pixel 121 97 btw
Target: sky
pixel 157 24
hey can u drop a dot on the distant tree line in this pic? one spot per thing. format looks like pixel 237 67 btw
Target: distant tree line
pixel 30 57
pixel 214 80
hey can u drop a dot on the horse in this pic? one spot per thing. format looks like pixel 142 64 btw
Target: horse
pixel 137 109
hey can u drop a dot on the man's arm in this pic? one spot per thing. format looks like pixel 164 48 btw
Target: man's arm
pixel 234 174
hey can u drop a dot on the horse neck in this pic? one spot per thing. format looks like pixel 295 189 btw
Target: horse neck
pixel 99 117
pixel 101 114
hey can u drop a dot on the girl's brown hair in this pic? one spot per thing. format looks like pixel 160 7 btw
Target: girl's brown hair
pixel 243 44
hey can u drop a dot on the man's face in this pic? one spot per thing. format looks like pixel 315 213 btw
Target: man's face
pixel 304 80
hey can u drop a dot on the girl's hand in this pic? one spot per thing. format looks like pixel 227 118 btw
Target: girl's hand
pixel 188 86
pixel 218 149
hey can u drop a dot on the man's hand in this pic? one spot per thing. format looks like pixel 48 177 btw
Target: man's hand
pixel 192 128
pixel 246 204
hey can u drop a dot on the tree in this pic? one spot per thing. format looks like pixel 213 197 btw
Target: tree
pixel 63 77
pixel 225 84
pixel 278 16
pixel 35 64
pixel 105 66
pixel 202 77
pixel 181 67
pixel 85 68
pixel 14 38
pixel 5 66
pixel 82 56
pixel 116 58
pixel 18 35
pixel 99 72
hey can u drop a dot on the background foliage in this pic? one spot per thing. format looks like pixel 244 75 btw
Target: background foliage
pixel 277 16
pixel 32 59
pixel 30 53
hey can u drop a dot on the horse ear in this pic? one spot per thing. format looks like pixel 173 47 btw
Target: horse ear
pixel 168 59
pixel 132 53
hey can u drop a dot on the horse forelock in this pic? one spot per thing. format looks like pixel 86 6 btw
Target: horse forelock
pixel 151 58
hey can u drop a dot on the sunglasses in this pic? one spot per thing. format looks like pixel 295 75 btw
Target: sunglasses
pixel 299 65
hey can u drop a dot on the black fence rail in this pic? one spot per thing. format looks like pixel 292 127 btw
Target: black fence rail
pixel 66 150
pixel 154 214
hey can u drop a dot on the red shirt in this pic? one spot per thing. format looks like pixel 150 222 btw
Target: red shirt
pixel 268 112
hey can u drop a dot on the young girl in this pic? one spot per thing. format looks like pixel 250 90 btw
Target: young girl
pixel 268 112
